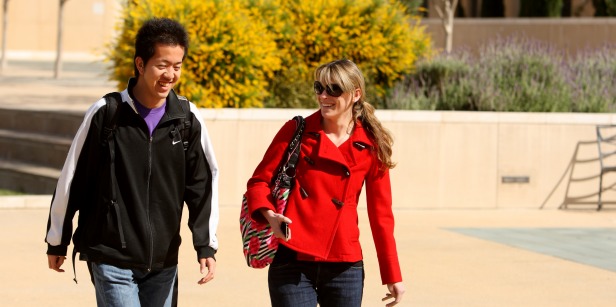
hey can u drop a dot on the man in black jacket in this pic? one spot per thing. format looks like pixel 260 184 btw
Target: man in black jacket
pixel 129 170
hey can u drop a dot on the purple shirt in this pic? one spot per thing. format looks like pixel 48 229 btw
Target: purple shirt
pixel 151 116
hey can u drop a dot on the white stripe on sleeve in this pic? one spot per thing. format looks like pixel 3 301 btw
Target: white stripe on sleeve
pixel 60 201
pixel 211 159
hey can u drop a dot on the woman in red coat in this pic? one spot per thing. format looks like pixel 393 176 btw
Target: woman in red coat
pixel 344 146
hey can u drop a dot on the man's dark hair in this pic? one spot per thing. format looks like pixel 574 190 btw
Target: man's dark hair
pixel 154 31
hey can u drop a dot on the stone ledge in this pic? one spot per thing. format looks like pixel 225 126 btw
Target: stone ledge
pixel 31 169
pixel 25 201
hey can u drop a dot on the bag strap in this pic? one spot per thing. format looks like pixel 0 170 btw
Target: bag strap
pixel 185 124
pixel 294 145
pixel 291 155
pixel 111 117
pixel 112 102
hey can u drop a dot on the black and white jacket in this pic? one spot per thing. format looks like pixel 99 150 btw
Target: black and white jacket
pixel 154 175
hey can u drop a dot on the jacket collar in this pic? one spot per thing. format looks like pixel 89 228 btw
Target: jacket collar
pixel 173 109
pixel 327 149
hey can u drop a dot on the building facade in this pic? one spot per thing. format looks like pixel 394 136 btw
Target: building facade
pixel 32 28
pixel 90 25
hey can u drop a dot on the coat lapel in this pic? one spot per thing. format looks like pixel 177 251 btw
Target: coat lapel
pixel 359 143
pixel 326 148
pixel 329 151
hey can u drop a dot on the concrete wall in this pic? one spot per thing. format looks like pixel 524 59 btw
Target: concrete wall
pixel 445 159
pixel 90 25
pixel 32 27
pixel 567 34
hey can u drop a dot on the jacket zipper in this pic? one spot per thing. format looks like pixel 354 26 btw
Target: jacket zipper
pixel 148 203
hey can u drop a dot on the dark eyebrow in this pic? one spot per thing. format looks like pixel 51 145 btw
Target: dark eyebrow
pixel 169 62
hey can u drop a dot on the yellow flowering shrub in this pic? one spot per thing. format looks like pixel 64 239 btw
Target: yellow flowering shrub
pixel 377 35
pixel 254 53
pixel 231 55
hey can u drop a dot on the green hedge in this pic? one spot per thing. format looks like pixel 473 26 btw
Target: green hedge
pixel 604 8
pixel 541 8
pixel 512 74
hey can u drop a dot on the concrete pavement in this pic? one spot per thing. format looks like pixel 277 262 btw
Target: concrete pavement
pixel 471 258
pixel 441 266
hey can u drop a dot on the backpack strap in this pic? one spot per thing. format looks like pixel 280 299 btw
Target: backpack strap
pixel 112 101
pixel 184 124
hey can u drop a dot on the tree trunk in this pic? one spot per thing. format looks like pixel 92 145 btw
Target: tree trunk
pixel 5 20
pixel 58 63
pixel 473 9
pixel 446 10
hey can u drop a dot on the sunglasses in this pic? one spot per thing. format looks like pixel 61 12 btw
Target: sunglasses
pixel 333 90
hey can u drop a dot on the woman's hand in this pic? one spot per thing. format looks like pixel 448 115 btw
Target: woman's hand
pixel 275 219
pixel 396 291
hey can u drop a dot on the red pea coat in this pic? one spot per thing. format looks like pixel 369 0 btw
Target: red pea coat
pixel 323 202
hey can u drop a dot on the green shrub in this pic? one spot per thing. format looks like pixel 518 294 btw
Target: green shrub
pixel 610 7
pixel 414 7
pixel 514 74
pixel 408 95
pixel 4 192
pixel 593 78
pixel 442 83
pixel 523 75
pixel 604 8
pixel 541 8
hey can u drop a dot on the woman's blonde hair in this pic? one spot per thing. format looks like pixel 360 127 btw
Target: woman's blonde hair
pixel 347 75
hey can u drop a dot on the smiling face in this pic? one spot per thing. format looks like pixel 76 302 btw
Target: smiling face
pixel 338 86
pixel 336 108
pixel 159 75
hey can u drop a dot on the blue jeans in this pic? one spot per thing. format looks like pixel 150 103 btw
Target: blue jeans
pixel 304 284
pixel 132 288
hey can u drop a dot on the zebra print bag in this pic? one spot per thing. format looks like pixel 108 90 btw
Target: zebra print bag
pixel 259 243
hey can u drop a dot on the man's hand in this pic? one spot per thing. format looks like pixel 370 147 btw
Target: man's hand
pixel 55 262
pixel 395 291
pixel 210 263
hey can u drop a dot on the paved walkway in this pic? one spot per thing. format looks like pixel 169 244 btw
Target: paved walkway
pixel 446 259
pixel 449 258
pixel 590 246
